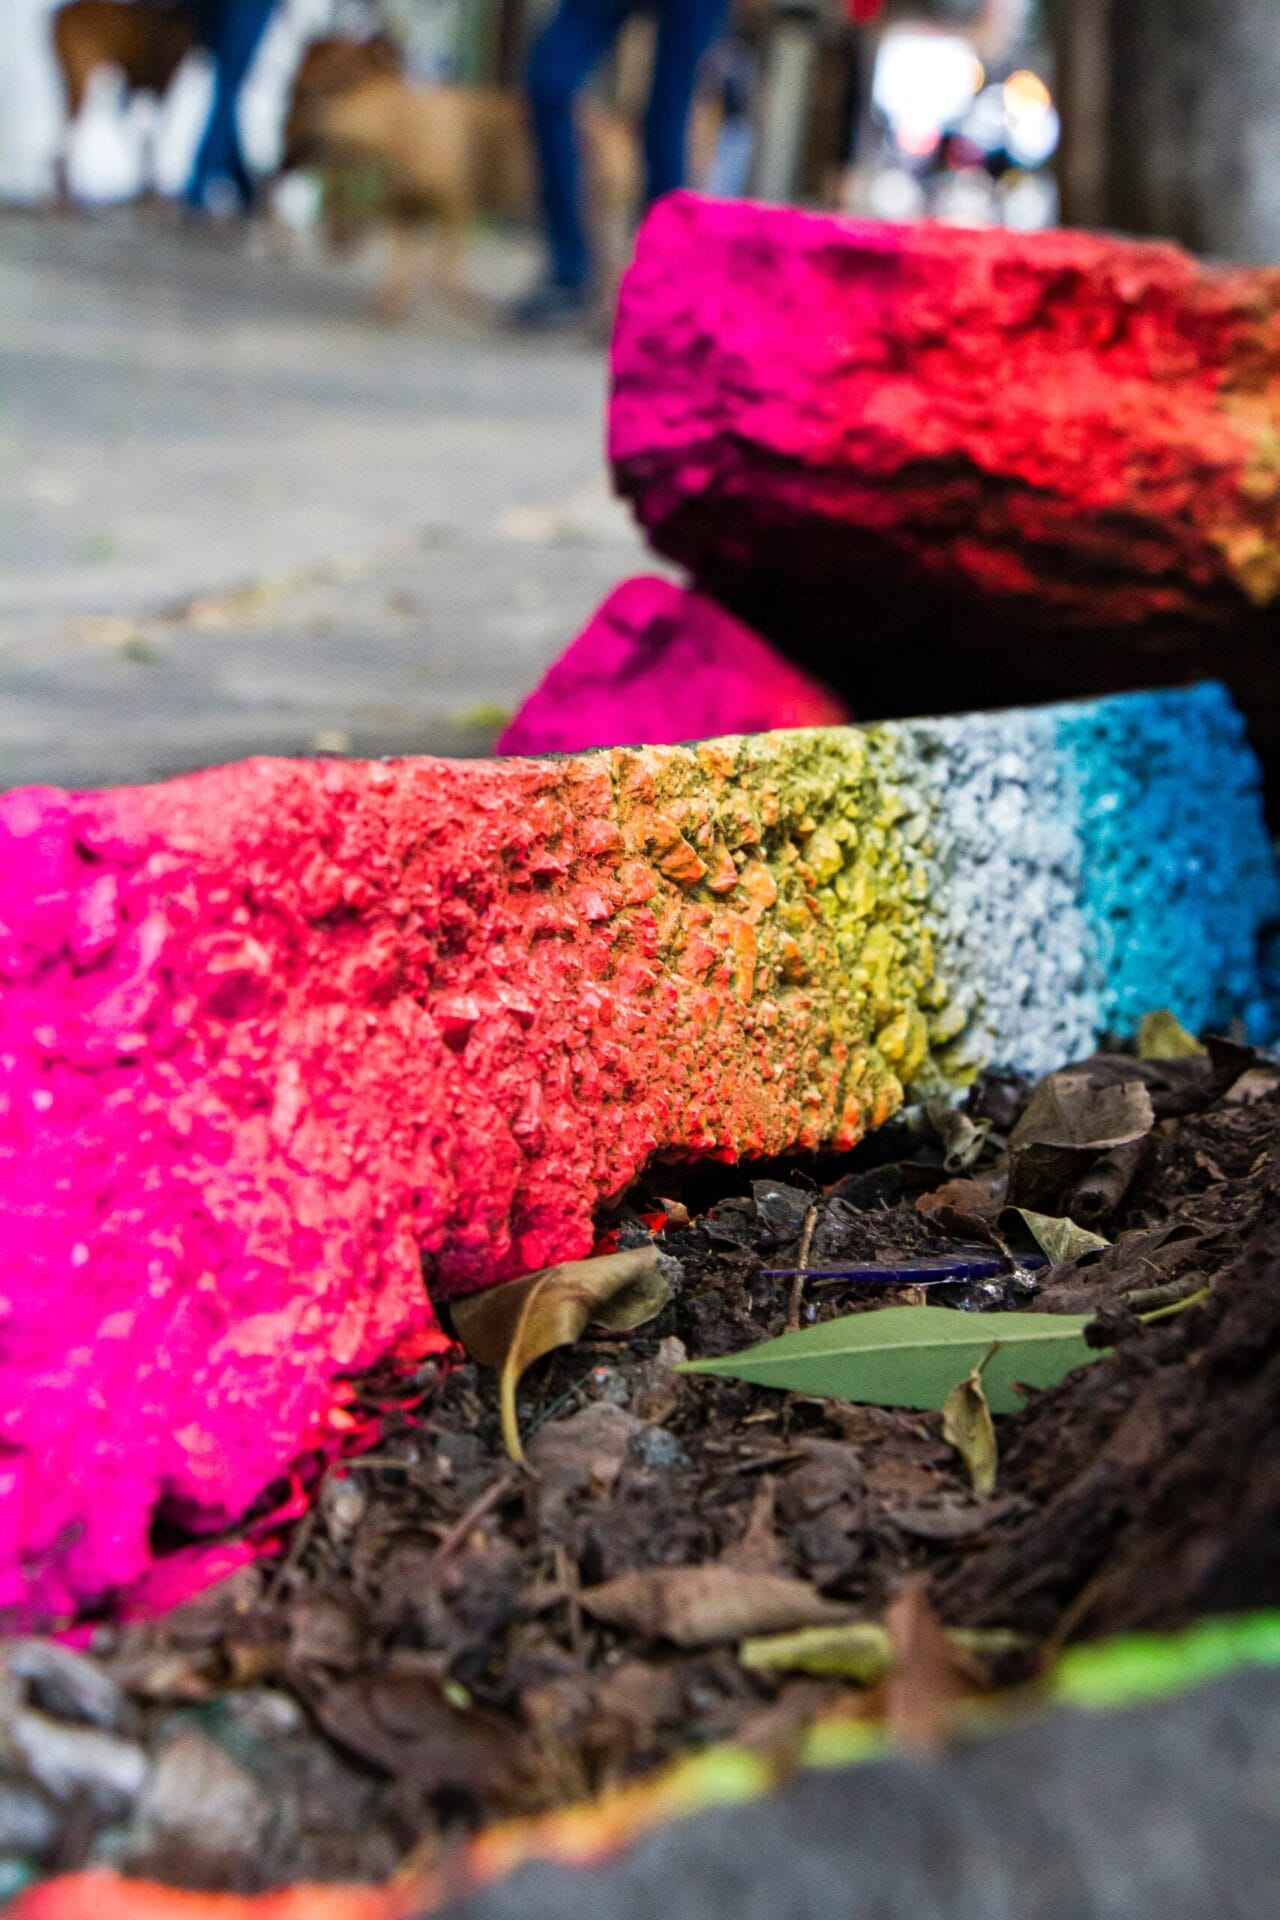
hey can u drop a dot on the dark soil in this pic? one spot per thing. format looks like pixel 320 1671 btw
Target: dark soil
pixel 420 1661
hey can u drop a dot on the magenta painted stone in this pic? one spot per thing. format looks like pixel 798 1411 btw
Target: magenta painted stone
pixel 952 469
pixel 657 664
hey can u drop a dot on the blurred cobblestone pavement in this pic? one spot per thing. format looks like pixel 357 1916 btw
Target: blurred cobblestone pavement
pixel 238 516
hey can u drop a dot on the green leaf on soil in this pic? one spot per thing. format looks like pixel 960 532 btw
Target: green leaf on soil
pixel 913 1356
pixel 968 1427
pixel 1058 1238
pixel 510 1327
pixel 1162 1036
pixel 858 1651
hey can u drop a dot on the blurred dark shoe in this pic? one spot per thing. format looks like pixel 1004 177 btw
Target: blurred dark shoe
pixel 553 305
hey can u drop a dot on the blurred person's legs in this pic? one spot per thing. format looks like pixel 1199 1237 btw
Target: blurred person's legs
pixel 233 31
pixel 577 38
pixel 686 29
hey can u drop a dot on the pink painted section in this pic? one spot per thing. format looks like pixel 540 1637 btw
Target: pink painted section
pixel 1061 421
pixel 275 1040
pixel 658 664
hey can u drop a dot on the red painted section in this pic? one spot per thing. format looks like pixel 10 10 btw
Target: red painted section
pixel 101 1896
pixel 659 663
pixel 1075 428
pixel 278 1038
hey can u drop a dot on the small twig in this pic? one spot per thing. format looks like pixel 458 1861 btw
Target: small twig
pixel 567 1579
pixel 797 1285
pixel 475 1513
pixel 548 1413
pixel 297 1547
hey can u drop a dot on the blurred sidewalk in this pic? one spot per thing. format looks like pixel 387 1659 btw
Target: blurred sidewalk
pixel 237 516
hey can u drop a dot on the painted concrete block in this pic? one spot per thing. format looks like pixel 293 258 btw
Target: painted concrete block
pixel 287 1047
pixel 660 663
pixel 1044 462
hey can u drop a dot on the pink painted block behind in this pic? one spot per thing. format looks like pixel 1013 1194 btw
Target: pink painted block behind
pixel 659 664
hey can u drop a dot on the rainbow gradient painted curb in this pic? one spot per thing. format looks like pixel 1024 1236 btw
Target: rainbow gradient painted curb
pixel 282 1040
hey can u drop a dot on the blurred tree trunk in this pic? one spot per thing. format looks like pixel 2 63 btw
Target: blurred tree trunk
pixel 1171 113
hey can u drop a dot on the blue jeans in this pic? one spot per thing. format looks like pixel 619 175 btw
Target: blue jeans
pixel 232 30
pixel 579 35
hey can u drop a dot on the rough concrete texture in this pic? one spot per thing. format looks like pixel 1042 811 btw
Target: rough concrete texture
pixel 281 1039
pixel 865 437
pixel 658 664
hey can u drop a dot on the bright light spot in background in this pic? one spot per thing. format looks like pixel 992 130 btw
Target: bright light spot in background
pixel 1031 119
pixel 984 123
pixel 925 79
pixel 1029 202
pixel 967 199
pixel 1026 92
pixel 918 138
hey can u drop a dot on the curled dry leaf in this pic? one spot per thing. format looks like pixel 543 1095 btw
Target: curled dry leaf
pixel 960 1137
pixel 1072 1119
pixel 1162 1036
pixel 968 1427
pixel 1254 1084
pixel 1057 1238
pixel 704 1606
pixel 512 1326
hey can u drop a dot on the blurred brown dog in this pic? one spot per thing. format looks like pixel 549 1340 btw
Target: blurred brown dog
pixel 444 154
pixel 148 44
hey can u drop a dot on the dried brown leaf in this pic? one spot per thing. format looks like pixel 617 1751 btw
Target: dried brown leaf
pixel 961 1138
pixel 510 1327
pixel 927 1681
pixel 704 1606
pixel 759 1550
pixel 968 1207
pixel 1254 1084
pixel 968 1427
pixel 1072 1119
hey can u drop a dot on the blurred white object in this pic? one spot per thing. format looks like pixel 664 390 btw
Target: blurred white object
pixel 1032 127
pixel 924 79
pixel 1029 202
pixel 966 199
pixel 895 194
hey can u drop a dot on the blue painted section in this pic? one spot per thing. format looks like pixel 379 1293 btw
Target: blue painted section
pixel 1178 875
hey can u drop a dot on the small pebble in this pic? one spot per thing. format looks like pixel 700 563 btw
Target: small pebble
pixel 656 1448
pixel 608 1385
pixel 343 1504
pixel 63 1683
pixel 68 1761
pixel 28 1823
pixel 199 1795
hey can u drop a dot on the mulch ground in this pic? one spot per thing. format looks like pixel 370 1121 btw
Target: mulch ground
pixel 418 1661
